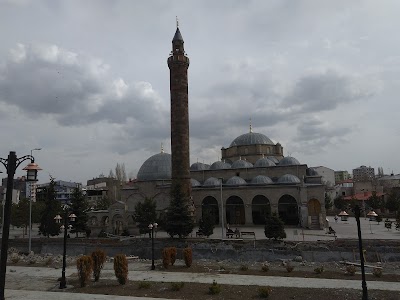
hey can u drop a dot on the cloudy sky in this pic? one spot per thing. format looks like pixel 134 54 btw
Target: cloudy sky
pixel 88 81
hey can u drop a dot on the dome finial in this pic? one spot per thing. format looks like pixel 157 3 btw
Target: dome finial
pixel 162 148
pixel 251 129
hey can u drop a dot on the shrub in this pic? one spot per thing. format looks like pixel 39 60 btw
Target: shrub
pixel 188 256
pixel 319 270
pixel 264 292
pixel 14 258
pixel 176 286
pixel 215 288
pixel 84 264
pixel 172 254
pixel 99 258
pixel 166 257
pixel 265 267
pixel 121 268
pixel 48 261
pixel 289 268
pixel 351 270
pixel 244 267
pixel 377 272
pixel 144 285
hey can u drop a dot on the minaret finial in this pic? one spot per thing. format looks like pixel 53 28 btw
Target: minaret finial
pixel 251 128
pixel 177 22
pixel 162 148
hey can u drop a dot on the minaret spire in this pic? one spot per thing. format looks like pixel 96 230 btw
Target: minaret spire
pixel 251 129
pixel 177 22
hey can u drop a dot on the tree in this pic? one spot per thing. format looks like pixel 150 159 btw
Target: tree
pixel 398 220
pixel 328 201
pixel 145 214
pixel 393 201
pixel 339 202
pixel 20 214
pixel 206 224
pixel 374 201
pixel 178 219
pixel 79 206
pixel 274 227
pixel 48 227
pixel 37 209
pixel 102 204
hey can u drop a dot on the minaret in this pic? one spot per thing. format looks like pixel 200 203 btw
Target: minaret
pixel 178 64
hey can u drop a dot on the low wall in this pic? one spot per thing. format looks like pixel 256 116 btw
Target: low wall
pixel 237 250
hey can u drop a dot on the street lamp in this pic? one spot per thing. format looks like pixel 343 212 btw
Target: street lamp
pixel 222 209
pixel 371 215
pixel 11 164
pixel 32 185
pixel 66 226
pixel 152 226
pixel 357 213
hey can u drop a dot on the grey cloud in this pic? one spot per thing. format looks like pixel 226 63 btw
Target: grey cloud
pixel 74 88
pixel 325 91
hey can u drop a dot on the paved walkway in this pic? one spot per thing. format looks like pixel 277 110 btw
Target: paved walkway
pixel 34 283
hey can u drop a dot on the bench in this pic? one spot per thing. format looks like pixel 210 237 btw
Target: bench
pixel 248 233
pixel 230 234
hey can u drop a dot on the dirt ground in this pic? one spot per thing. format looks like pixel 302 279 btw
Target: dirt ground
pixel 189 291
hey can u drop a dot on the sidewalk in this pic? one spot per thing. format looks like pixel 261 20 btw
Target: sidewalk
pixel 36 283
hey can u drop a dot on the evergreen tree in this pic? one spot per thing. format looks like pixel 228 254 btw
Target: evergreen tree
pixel 79 206
pixel 339 202
pixel 374 201
pixel 328 201
pixel 206 224
pixel 393 201
pixel 20 214
pixel 48 227
pixel 178 219
pixel 398 220
pixel 145 214
pixel 274 227
pixel 103 204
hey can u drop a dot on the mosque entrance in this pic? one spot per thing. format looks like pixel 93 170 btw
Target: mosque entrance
pixel 235 211
pixel 261 208
pixel 314 209
pixel 210 206
pixel 288 210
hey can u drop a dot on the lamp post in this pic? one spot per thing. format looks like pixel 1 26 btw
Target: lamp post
pixel 370 215
pixel 222 209
pixel 11 164
pixel 357 213
pixel 58 218
pixel 30 209
pixel 152 226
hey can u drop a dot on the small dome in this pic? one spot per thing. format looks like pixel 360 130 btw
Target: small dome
pixel 251 138
pixel 156 167
pixel 220 165
pixel 288 161
pixel 273 159
pixel 241 164
pixel 212 181
pixel 288 179
pixel 261 179
pixel 198 166
pixel 264 162
pixel 194 183
pixel 311 172
pixel 236 180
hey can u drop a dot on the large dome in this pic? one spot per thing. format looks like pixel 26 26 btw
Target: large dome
pixel 157 167
pixel 251 138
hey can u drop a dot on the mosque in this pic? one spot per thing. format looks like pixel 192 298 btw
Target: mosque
pixel 252 179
